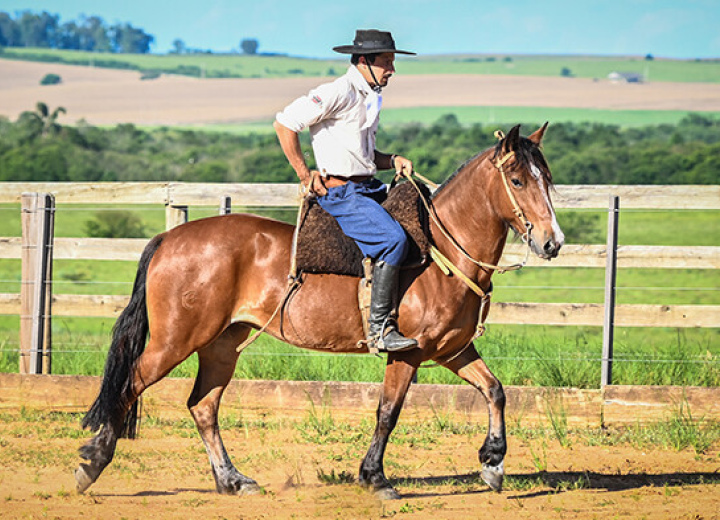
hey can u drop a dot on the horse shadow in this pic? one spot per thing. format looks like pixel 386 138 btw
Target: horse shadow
pixel 155 493
pixel 554 482
pixel 549 482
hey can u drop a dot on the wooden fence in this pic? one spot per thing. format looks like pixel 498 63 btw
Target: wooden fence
pixel 177 197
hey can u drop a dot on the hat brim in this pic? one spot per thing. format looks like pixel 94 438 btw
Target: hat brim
pixel 352 49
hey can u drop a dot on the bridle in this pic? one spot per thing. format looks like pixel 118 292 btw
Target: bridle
pixel 448 267
pixel 517 211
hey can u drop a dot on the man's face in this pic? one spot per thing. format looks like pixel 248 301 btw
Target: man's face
pixel 383 67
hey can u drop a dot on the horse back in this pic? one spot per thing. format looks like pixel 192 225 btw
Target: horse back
pixel 212 265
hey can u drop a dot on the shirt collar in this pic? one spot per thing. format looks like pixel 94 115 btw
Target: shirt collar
pixel 358 80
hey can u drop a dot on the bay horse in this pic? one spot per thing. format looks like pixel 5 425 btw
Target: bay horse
pixel 202 287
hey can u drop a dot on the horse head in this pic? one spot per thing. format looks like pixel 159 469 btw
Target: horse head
pixel 522 194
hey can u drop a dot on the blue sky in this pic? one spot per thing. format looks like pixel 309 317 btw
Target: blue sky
pixel 663 28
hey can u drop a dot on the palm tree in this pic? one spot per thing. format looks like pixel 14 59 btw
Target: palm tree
pixel 39 123
pixel 49 120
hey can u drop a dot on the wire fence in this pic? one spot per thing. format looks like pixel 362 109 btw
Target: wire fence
pixel 98 348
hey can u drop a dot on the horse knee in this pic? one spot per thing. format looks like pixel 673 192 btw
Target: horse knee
pixel 496 394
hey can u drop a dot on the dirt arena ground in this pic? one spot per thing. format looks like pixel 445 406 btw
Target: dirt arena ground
pixel 306 470
pixel 107 97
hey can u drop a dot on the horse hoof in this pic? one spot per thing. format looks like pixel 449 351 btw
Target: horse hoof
pixel 387 493
pixel 493 475
pixel 251 488
pixel 82 479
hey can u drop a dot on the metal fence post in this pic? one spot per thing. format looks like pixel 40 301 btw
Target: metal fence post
pixel 610 286
pixel 225 205
pixel 38 226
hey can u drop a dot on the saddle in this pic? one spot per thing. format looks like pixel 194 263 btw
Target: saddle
pixel 322 247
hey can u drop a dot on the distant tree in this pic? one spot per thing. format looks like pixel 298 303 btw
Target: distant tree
pixel 249 46
pixel 581 228
pixel 10 35
pixel 51 79
pixel 649 57
pixel 38 30
pixel 178 46
pixel 566 73
pixel 128 39
pixel 93 35
pixel 115 224
pixel 41 122
pixel 68 36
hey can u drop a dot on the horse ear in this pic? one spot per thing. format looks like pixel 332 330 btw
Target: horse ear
pixel 538 134
pixel 512 140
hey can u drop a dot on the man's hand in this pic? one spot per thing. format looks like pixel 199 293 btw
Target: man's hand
pixel 314 183
pixel 403 166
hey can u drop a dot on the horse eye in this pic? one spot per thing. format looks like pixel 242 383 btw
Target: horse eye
pixel 517 183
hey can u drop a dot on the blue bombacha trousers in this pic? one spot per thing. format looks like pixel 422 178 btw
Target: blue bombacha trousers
pixel 356 207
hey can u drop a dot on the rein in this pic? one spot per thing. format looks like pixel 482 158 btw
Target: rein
pixel 516 210
pixel 446 265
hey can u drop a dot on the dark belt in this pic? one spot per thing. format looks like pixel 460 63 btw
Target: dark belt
pixel 331 181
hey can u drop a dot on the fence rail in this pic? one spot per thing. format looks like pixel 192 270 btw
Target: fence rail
pixel 659 257
pixel 283 194
pixel 176 197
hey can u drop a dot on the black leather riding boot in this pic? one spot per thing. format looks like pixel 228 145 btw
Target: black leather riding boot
pixel 383 297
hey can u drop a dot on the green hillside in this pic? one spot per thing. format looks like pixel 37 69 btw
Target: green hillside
pixel 263 66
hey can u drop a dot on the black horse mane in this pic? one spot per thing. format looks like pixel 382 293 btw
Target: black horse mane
pixel 528 153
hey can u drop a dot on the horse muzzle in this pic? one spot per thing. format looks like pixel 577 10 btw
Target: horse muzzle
pixel 546 247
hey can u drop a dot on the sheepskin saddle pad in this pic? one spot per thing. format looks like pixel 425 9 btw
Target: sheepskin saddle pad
pixel 322 247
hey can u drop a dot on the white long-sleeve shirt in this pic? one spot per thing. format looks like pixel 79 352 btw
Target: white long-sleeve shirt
pixel 343 118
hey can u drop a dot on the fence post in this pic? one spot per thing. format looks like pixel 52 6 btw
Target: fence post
pixel 175 215
pixel 225 205
pixel 38 223
pixel 610 282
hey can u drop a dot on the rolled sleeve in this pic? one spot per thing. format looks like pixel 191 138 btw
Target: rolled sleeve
pixel 305 111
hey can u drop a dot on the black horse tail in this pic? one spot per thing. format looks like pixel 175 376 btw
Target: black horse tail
pixel 128 342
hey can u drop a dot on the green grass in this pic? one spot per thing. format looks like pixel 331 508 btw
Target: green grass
pixel 489 115
pixel 236 65
pixel 580 66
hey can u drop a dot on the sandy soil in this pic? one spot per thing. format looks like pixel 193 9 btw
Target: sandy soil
pixel 165 474
pixel 103 96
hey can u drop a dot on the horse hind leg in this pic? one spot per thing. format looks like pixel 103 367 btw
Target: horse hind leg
pixel 155 362
pixel 216 366
pixel 473 369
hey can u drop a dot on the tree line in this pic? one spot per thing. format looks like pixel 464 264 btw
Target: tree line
pixel 38 147
pixel 91 33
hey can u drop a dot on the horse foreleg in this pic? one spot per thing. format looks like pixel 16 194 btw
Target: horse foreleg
pixel 216 366
pixel 399 372
pixel 473 369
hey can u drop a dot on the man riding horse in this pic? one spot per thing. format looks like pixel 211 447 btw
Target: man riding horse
pixel 343 117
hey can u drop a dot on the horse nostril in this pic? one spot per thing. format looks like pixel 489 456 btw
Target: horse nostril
pixel 549 247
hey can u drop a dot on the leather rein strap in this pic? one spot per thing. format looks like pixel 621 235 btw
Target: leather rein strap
pixel 447 267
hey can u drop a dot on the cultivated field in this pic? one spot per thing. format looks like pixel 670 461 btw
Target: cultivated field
pixel 108 97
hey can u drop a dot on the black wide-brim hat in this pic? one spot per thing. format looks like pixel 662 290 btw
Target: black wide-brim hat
pixel 371 42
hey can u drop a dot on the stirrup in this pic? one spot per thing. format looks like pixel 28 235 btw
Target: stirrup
pixel 380 345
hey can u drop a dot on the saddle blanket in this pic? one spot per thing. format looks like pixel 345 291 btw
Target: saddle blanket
pixel 322 247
